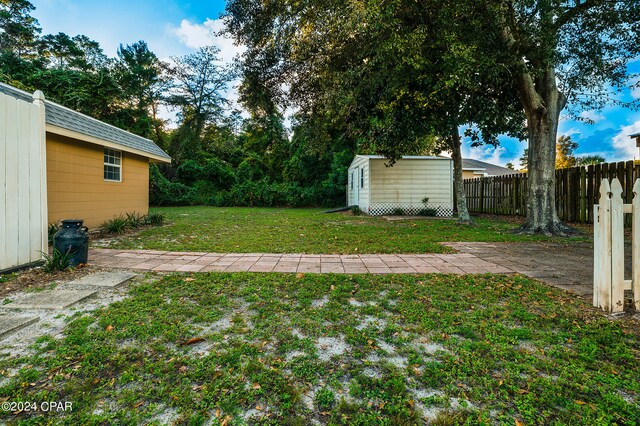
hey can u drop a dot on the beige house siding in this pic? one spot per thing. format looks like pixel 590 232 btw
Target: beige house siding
pixel 471 174
pixel 410 181
pixel 76 185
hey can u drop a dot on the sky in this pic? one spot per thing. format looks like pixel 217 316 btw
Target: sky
pixel 175 28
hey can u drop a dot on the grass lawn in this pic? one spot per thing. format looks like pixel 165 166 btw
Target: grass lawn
pixel 232 349
pixel 270 230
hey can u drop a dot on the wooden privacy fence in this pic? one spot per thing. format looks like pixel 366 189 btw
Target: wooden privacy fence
pixel 23 186
pixel 609 282
pixel 576 190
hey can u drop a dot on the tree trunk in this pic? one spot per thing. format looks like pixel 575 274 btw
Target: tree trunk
pixel 458 183
pixel 543 103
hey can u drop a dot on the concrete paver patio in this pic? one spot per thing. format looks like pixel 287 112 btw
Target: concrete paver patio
pixel 566 266
pixel 152 260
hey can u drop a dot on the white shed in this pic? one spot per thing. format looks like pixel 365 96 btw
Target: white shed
pixel 379 189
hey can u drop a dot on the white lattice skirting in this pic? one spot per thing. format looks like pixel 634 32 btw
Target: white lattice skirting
pixel 381 209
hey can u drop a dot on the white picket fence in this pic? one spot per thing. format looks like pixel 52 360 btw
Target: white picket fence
pixel 609 283
pixel 23 185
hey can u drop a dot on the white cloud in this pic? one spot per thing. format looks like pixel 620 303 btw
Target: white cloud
pixel 486 153
pixel 591 115
pixel 572 131
pixel 624 146
pixel 208 33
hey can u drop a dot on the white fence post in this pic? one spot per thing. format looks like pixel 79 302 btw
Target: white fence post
pixel 609 284
pixel 602 259
pixel 635 245
pixel 617 247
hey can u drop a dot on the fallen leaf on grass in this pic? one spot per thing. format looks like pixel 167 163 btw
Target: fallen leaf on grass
pixel 189 279
pixel 256 386
pixel 518 422
pixel 138 404
pixel 109 328
pixel 299 275
pixel 577 401
pixel 193 340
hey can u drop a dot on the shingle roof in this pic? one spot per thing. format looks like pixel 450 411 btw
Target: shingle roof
pixel 490 169
pixel 635 135
pixel 60 116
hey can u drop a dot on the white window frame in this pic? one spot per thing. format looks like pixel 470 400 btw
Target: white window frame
pixel 112 152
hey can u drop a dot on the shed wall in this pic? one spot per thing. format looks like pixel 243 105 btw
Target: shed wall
pixel 76 185
pixel 408 182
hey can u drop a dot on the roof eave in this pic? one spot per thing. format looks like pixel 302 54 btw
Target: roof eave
pixel 102 142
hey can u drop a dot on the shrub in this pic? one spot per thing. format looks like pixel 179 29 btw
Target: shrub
pixel 155 219
pixel 116 225
pixel 57 261
pixel 134 220
pixel 398 212
pixel 356 211
pixel 163 192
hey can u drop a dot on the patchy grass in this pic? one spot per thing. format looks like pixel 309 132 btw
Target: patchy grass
pixel 248 230
pixel 278 349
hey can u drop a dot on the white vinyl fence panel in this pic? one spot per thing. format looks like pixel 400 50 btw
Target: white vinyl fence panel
pixel 23 190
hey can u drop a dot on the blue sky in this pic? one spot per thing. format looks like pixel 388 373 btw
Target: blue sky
pixel 174 28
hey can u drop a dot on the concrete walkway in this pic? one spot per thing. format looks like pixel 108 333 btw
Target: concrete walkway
pixel 566 266
pixel 151 260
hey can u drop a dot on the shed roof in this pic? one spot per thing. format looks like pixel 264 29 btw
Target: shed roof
pixel 635 135
pixel 60 117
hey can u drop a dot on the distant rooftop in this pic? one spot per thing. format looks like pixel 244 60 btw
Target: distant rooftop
pixel 488 168
pixel 63 117
pixel 635 135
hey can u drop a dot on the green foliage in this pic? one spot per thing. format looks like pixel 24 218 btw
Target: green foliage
pixel 155 218
pixel 325 399
pixel 56 261
pixel 54 227
pixel 134 219
pixel 265 194
pixel 589 160
pixel 163 192
pixel 398 211
pixel 115 225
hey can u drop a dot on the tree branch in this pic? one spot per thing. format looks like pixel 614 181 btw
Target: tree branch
pixel 574 12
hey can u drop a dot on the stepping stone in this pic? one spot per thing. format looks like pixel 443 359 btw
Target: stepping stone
pixel 10 324
pixel 54 299
pixel 104 279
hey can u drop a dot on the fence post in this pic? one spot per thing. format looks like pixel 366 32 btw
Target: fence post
pixel 635 244
pixel 602 257
pixel 617 247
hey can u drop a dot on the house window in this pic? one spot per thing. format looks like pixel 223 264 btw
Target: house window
pixel 112 165
pixel 361 178
pixel 351 180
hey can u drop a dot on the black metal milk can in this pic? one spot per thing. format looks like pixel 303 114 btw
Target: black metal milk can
pixel 73 240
